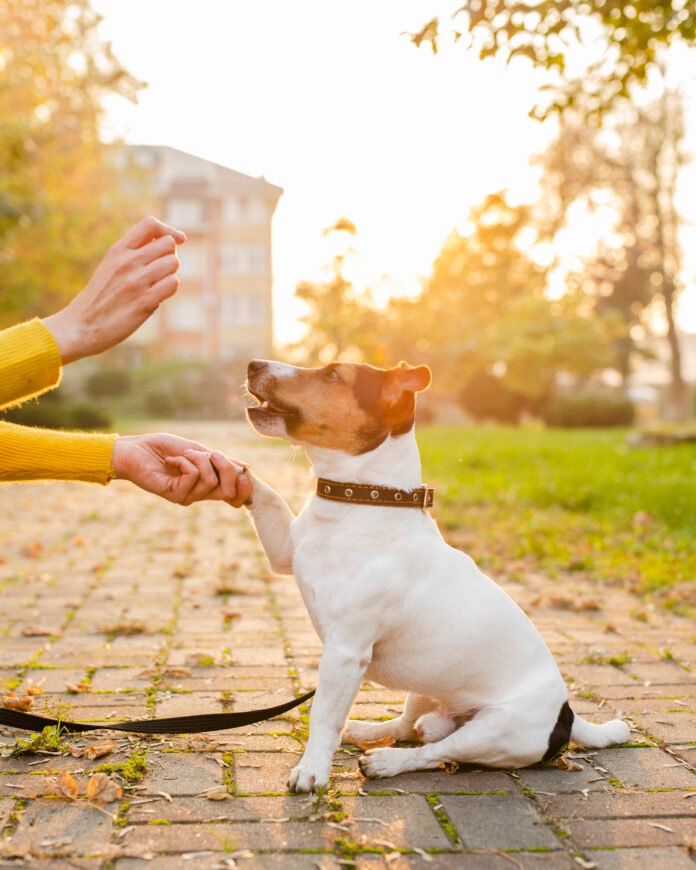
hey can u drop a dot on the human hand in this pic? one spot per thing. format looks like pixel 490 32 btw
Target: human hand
pixel 179 470
pixel 137 273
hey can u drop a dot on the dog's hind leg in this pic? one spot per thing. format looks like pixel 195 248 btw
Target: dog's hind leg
pixel 400 728
pixel 494 739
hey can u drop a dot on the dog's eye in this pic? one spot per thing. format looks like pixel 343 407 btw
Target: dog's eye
pixel 332 375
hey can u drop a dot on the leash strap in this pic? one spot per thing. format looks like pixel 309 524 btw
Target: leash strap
pixel 171 725
pixel 360 493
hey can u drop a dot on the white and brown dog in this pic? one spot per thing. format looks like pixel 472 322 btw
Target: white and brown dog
pixel 391 601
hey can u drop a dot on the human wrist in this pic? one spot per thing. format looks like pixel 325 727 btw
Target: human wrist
pixel 119 457
pixel 66 336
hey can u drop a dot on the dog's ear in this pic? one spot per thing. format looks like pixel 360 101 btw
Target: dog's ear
pixel 405 379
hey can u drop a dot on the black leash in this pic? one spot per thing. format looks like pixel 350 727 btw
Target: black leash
pixel 172 725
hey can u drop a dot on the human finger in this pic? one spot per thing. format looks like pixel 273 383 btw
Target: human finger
pixel 150 228
pixel 207 478
pixel 181 487
pixel 150 251
pixel 158 269
pixel 161 290
pixel 228 473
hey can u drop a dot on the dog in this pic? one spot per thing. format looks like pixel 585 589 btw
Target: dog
pixel 391 601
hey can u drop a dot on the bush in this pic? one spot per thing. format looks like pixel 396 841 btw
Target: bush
pixel 488 398
pixel 159 404
pixel 589 409
pixel 54 412
pixel 108 382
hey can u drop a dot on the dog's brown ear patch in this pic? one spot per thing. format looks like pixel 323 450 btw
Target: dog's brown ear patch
pixel 405 379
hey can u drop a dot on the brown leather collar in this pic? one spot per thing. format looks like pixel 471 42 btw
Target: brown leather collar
pixel 361 493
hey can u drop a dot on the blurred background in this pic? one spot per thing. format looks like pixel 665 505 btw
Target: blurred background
pixel 504 195
pixel 504 191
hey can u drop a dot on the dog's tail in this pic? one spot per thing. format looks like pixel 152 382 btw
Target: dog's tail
pixel 598 736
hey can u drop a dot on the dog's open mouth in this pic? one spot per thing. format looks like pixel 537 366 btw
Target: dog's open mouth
pixel 269 408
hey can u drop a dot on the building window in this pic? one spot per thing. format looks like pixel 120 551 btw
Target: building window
pixel 191 257
pixel 240 210
pixel 244 309
pixel 243 260
pixel 186 213
pixel 185 315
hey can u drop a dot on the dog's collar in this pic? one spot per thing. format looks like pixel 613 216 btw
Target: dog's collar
pixel 361 493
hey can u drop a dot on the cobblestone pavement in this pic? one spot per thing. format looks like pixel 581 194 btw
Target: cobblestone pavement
pixel 147 609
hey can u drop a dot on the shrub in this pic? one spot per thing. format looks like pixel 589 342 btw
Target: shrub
pixel 487 397
pixel 588 409
pixel 108 382
pixel 54 412
pixel 159 404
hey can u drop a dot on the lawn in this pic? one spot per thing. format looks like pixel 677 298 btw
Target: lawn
pixel 568 501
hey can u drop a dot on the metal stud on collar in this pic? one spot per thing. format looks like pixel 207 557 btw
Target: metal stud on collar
pixel 374 494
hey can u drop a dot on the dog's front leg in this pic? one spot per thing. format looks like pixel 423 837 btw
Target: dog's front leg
pixel 342 667
pixel 272 519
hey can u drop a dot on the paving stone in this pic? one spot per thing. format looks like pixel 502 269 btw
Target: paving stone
pixel 469 861
pixel 404 822
pixel 553 780
pixel 642 859
pixel 62 827
pixel 614 833
pixel 211 861
pixel 237 809
pixel 477 819
pixel 621 804
pixel 441 782
pixel 263 772
pixel 645 768
pixel 186 773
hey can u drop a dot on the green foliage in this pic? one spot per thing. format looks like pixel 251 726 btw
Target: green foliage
pixel 483 310
pixel 546 33
pixel 48 740
pixel 108 382
pixel 58 206
pixel 486 397
pixel 54 411
pixel 561 500
pixel 598 409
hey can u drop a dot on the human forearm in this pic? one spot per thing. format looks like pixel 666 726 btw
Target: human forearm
pixel 40 454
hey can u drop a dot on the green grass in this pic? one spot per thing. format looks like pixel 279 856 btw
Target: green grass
pixel 568 500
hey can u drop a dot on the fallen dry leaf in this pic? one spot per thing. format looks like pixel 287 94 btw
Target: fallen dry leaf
pixel 32 551
pixel 177 672
pixel 566 763
pixel 12 702
pixel 217 793
pixel 373 744
pixel 66 786
pixel 32 630
pixel 231 616
pixel 102 788
pixel 99 750
pixel 78 688
pixel 450 767
pixel 34 690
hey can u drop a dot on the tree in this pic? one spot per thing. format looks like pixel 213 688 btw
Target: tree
pixel 338 321
pixel 59 207
pixel 484 310
pixel 631 165
pixel 634 34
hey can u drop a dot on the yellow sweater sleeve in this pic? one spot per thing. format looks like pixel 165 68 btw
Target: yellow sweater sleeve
pixel 30 364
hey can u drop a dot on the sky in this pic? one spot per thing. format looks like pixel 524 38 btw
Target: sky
pixel 330 100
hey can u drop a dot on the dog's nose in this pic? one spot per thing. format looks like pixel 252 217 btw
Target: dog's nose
pixel 255 366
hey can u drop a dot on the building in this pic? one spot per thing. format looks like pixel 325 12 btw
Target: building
pixel 223 310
